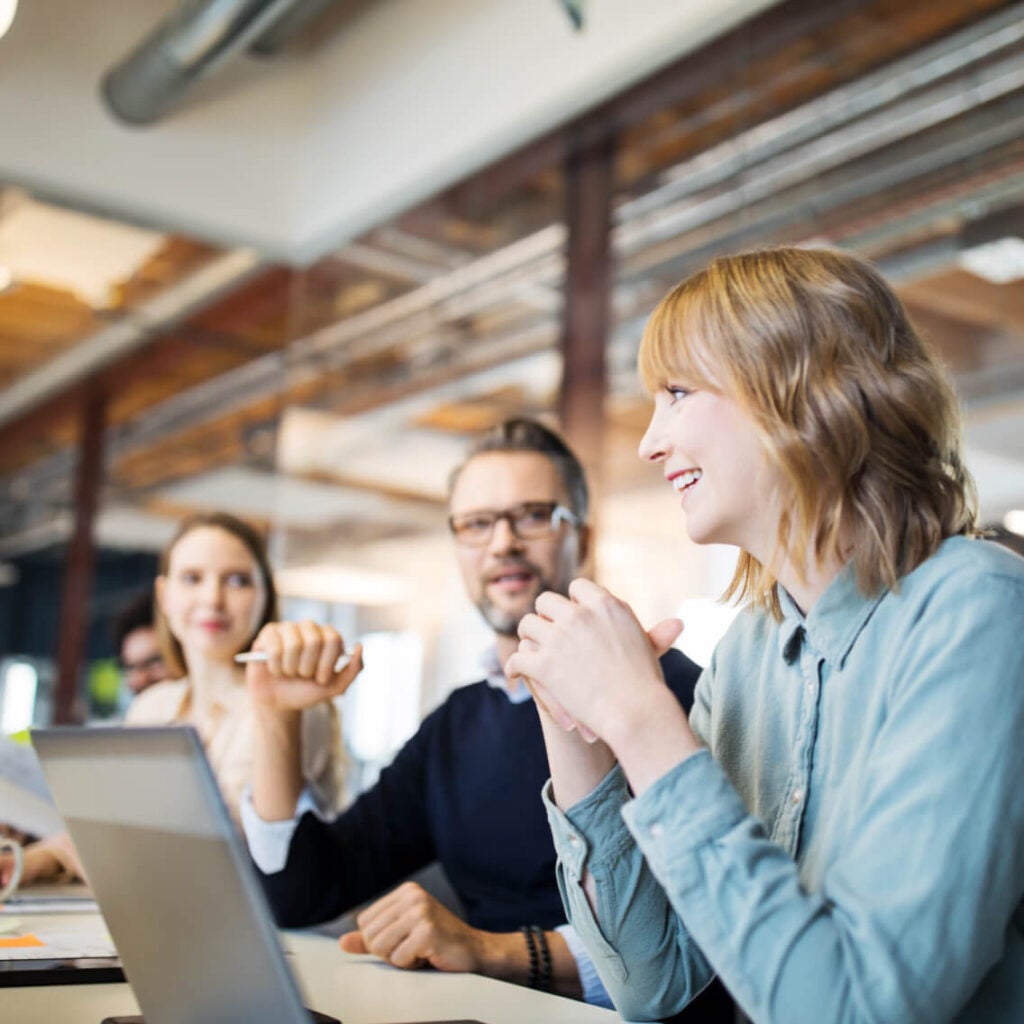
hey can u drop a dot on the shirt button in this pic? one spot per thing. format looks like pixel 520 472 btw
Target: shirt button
pixel 797 796
pixel 657 830
pixel 810 687
pixel 574 840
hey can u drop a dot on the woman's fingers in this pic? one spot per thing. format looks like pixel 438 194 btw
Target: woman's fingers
pixel 311 640
pixel 305 650
pixel 663 634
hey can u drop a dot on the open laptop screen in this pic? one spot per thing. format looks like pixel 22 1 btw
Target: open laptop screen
pixel 170 874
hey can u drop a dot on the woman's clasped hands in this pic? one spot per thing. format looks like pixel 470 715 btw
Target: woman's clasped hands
pixel 589 662
pixel 593 669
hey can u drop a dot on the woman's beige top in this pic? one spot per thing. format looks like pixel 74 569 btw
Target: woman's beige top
pixel 224 722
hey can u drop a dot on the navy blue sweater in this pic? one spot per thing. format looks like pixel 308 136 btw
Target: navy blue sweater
pixel 465 791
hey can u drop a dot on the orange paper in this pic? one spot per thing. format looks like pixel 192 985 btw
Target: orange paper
pixel 21 942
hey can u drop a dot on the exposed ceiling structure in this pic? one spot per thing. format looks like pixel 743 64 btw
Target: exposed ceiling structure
pixel 334 397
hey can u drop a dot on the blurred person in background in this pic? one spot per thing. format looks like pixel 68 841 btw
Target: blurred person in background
pixel 214 593
pixel 137 645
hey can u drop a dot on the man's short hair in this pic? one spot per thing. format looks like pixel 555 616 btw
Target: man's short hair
pixel 525 435
pixel 137 614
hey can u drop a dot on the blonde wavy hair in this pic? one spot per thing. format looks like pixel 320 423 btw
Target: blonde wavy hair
pixel 857 415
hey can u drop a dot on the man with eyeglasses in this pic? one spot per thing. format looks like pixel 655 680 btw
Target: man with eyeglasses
pixel 465 790
pixel 138 650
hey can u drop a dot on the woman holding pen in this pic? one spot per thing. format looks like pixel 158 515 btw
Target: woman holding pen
pixel 214 595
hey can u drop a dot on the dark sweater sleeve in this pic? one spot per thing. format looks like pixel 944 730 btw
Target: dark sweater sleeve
pixel 384 836
pixel 681 674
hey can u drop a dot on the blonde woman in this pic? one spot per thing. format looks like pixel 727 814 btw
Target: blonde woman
pixel 214 595
pixel 838 829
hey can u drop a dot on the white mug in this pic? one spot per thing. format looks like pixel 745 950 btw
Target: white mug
pixel 13 847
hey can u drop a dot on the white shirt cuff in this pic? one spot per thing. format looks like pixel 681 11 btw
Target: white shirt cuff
pixel 593 989
pixel 269 840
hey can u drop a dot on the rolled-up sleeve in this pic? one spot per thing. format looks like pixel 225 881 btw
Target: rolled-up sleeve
pixel 639 949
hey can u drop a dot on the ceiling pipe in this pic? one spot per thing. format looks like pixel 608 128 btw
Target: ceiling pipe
pixel 286 28
pixel 187 45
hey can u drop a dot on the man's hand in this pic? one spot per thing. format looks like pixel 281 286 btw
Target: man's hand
pixel 409 928
pixel 299 670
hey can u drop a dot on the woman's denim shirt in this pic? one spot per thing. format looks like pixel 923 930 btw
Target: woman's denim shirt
pixel 850 847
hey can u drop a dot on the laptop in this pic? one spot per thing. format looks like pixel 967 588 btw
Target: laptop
pixel 171 875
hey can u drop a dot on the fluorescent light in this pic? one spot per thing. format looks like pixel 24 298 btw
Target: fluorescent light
pixel 1000 261
pixel 1014 521
pixel 8 8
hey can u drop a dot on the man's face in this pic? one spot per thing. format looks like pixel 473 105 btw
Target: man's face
pixel 141 660
pixel 504 576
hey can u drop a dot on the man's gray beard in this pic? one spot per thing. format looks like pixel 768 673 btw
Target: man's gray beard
pixel 503 623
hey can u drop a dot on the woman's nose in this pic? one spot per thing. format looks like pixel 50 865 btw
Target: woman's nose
pixel 653 447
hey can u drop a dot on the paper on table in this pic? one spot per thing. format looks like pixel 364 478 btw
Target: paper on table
pixel 66 939
pixel 24 904
pixel 25 801
pixel 21 942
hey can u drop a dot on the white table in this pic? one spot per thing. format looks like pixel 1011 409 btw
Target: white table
pixel 356 989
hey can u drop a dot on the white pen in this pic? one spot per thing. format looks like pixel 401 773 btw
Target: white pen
pixel 246 656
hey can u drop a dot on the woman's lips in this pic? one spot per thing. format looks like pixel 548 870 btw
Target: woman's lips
pixel 683 483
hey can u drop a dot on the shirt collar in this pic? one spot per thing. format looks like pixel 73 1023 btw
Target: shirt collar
pixel 495 676
pixel 834 623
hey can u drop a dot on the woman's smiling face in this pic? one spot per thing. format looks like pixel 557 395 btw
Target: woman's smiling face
pixel 714 458
pixel 213 594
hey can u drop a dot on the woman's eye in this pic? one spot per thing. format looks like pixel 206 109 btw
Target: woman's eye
pixel 189 577
pixel 239 579
pixel 675 393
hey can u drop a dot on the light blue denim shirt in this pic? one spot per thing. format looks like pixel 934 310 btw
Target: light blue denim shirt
pixel 851 845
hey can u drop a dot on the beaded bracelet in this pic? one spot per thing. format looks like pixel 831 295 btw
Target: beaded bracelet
pixel 531 951
pixel 540 957
pixel 544 982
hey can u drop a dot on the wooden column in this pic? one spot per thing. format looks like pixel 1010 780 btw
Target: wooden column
pixel 589 187
pixel 78 568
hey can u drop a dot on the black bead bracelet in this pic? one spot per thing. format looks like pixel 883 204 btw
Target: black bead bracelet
pixel 540 957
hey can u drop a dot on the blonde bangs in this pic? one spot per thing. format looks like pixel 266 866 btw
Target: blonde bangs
pixel 675 343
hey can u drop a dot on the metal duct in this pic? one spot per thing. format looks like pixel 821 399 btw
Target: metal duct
pixel 287 27
pixel 188 44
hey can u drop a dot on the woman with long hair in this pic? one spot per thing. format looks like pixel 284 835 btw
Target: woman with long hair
pixel 214 596
pixel 837 831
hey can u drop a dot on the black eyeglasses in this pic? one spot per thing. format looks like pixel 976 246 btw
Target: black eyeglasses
pixel 528 521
